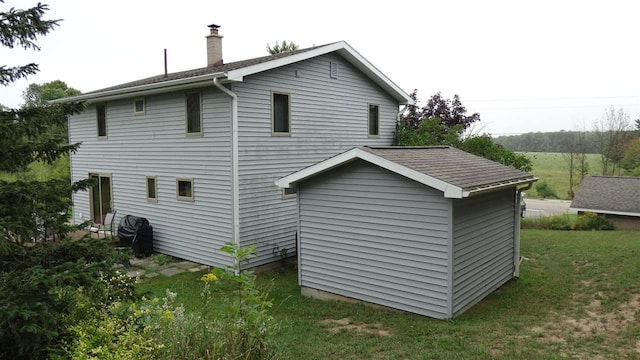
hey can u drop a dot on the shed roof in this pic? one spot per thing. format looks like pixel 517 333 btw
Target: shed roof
pixel 235 71
pixel 619 195
pixel 455 172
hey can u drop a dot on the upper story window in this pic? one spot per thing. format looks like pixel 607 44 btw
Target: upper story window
pixel 374 120
pixel 139 106
pixel 280 113
pixel 101 120
pixel 193 113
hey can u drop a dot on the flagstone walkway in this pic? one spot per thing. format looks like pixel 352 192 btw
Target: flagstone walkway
pixel 149 267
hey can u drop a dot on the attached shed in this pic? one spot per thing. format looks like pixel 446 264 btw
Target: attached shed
pixel 429 230
pixel 615 197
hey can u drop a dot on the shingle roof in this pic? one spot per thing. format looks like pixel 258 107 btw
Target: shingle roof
pixel 202 71
pixel 451 165
pixel 616 194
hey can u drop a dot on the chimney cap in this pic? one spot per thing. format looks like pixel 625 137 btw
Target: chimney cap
pixel 213 26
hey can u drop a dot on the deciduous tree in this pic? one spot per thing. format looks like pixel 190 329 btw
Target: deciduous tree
pixel 611 137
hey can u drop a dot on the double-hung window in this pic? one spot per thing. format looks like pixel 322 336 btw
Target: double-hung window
pixel 280 113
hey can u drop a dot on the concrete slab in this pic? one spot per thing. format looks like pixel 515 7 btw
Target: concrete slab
pixel 149 275
pixel 171 271
pixel 185 264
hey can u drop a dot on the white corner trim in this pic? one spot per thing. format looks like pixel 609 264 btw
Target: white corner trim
pixel 450 191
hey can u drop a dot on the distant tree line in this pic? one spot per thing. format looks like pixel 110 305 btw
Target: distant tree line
pixel 546 141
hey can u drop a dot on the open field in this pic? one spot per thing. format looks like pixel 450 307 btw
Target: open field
pixel 553 168
pixel 578 297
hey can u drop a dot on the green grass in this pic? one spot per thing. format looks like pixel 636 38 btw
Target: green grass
pixel 553 168
pixel 572 286
pixel 42 171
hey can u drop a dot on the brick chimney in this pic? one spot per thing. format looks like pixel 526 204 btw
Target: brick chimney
pixel 214 46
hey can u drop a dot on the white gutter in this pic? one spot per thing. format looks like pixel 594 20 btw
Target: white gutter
pixel 234 160
pixel 606 212
pixel 498 186
pixel 147 89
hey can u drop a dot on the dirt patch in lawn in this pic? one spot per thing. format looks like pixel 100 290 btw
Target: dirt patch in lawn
pixel 345 324
pixel 595 321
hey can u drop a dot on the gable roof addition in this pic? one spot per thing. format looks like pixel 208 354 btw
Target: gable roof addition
pixel 455 172
pixel 617 195
pixel 236 71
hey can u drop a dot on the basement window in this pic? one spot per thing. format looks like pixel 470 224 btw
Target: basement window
pixel 280 114
pixel 289 193
pixel 101 120
pixel 374 120
pixel 138 106
pixel 184 189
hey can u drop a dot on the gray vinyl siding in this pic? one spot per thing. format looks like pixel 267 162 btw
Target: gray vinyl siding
pixel 154 144
pixel 483 246
pixel 328 116
pixel 373 235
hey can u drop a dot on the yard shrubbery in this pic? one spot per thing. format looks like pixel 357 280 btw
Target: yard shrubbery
pixel 586 221
pixel 233 322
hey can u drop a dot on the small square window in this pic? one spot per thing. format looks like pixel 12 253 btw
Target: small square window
pixel 374 123
pixel 184 189
pixel 193 113
pixel 280 114
pixel 138 106
pixel 101 117
pixel 289 193
pixel 152 189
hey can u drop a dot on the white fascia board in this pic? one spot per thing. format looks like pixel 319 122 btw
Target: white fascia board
pixel 609 212
pixel 341 48
pixel 140 90
pixel 449 190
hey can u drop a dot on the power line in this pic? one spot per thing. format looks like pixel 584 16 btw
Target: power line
pixel 556 99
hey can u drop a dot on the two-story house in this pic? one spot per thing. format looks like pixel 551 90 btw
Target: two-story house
pixel 197 152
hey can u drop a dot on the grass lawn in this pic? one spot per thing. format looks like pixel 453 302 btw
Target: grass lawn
pixel 553 168
pixel 578 296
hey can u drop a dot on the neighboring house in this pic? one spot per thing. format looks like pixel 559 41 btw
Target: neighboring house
pixel 429 230
pixel 616 197
pixel 197 152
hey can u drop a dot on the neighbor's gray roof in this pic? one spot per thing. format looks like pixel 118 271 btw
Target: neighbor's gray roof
pixel 615 194
pixel 202 71
pixel 450 165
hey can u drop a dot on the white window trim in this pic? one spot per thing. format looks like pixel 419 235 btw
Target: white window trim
pixel 155 182
pixel 193 191
pixel 106 123
pixel 372 136
pixel 273 109
pixel 144 106
pixel 186 114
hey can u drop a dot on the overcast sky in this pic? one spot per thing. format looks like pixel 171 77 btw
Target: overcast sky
pixel 524 66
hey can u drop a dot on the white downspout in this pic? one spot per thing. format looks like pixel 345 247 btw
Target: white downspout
pixel 516 240
pixel 234 160
pixel 400 113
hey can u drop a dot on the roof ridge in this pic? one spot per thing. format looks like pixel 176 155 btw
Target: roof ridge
pixel 410 147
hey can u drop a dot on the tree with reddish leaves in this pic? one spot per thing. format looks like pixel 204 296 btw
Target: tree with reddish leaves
pixel 450 112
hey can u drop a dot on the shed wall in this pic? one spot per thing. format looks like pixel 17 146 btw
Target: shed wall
pixel 483 246
pixel 155 144
pixel 328 116
pixel 373 235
